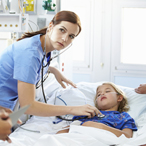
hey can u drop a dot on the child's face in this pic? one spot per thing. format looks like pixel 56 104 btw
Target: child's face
pixel 107 98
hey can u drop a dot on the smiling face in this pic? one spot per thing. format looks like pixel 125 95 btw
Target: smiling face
pixel 61 35
pixel 107 98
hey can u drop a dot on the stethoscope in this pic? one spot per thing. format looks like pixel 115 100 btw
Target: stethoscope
pixel 42 81
pixel 42 69
pixel 43 66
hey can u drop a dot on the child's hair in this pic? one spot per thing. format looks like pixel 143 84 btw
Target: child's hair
pixel 123 106
pixel 68 16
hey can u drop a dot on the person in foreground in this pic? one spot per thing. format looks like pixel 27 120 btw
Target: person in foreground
pixel 113 105
pixel 141 89
pixel 5 124
pixel 21 64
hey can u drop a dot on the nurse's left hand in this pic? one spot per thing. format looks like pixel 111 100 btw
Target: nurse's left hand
pixel 60 78
pixel 67 81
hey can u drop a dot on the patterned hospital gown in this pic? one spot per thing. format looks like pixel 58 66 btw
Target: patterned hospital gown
pixel 113 119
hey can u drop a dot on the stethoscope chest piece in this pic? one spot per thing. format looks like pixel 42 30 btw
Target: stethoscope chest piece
pixel 101 116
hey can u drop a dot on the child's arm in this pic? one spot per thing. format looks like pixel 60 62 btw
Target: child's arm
pixel 141 89
pixel 64 130
pixel 127 132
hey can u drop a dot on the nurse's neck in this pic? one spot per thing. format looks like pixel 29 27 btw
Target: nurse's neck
pixel 48 44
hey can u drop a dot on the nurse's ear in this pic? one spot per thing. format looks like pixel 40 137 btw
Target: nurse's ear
pixel 50 27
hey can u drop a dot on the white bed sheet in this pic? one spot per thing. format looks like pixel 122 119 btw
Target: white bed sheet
pixel 79 135
pixel 87 136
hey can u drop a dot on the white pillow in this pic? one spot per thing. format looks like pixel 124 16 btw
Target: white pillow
pixel 137 102
pixel 89 90
pixel 69 96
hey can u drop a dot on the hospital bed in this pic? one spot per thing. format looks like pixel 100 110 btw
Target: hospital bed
pixel 41 131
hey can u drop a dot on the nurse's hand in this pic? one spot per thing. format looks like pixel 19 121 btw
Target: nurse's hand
pixel 86 110
pixel 141 89
pixel 60 78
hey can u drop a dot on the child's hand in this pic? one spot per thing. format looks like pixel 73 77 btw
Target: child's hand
pixel 141 89
pixel 94 124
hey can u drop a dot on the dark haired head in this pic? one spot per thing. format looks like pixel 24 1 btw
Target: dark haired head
pixel 68 16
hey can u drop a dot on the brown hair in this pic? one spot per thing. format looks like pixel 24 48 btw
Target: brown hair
pixel 123 106
pixel 60 16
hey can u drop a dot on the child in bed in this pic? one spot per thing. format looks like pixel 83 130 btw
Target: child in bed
pixel 113 104
pixel 141 89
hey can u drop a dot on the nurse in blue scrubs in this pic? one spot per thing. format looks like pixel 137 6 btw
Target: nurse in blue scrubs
pixel 20 67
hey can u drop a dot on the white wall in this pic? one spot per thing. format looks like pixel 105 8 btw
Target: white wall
pixel 101 47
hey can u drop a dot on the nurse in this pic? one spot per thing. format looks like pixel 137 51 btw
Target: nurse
pixel 20 67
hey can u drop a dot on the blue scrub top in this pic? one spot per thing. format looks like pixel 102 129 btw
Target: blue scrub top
pixel 20 61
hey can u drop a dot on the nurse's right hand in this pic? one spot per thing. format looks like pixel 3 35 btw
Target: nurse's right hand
pixel 5 126
pixel 86 110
